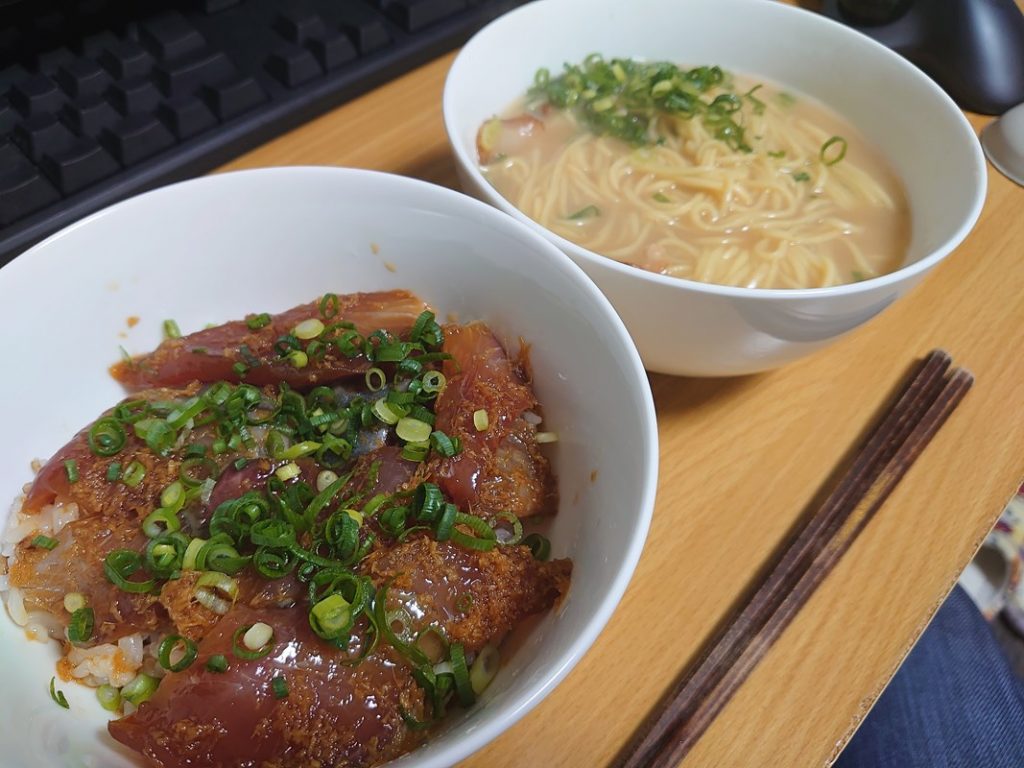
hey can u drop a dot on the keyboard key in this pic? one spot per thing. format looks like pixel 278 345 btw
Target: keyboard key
pixel 36 95
pixel 90 116
pixel 297 23
pixel 82 79
pixel 92 46
pixel 9 116
pixel 136 137
pixel 332 49
pixel 216 6
pixel 12 75
pixel 201 67
pixel 138 94
pixel 126 59
pixel 293 65
pixel 23 190
pixel 413 15
pixel 50 61
pixel 169 36
pixel 234 98
pixel 368 33
pixel 81 165
pixel 41 135
pixel 186 116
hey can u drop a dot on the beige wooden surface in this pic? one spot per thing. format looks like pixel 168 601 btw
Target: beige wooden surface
pixel 740 459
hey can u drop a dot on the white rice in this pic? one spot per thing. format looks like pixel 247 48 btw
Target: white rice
pixel 107 664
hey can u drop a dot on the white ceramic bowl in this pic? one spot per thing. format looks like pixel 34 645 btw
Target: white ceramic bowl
pixel 218 247
pixel 685 327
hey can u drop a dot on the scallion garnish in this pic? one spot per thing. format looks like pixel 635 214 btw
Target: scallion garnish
pixel 134 474
pixel 539 546
pixel 255 322
pixel 71 470
pixel 120 565
pixel 140 689
pixel 777 154
pixel 81 625
pixel 109 697
pixel 44 542
pixel 279 687
pixel 217 663
pixel 831 158
pixel 801 176
pixel 252 641
pixel 58 696
pixel 113 471
pixel 463 686
pixel 171 330
pixel 661 198
pixel 106 437
pixel 590 212
pixel 187 653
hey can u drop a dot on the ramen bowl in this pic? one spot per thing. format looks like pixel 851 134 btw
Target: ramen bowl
pixel 691 328
pixel 223 246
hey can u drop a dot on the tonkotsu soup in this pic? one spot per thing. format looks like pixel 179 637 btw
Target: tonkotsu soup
pixel 699 174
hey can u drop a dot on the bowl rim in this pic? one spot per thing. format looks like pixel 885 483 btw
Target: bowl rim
pixel 459 205
pixel 979 174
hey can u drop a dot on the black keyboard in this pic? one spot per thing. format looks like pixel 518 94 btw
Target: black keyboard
pixel 102 99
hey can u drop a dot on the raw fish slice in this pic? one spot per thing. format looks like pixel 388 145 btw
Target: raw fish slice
pixel 333 714
pixel 475 597
pixel 211 355
pixel 499 468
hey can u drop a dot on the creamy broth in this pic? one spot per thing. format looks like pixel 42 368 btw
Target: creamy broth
pixel 781 212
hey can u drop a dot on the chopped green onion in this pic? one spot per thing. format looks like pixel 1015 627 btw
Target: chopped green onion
pixel 308 329
pixel 196 470
pixel 834 157
pixel 279 686
pixel 109 697
pixel 58 696
pixel 160 521
pixel 298 450
pixel 483 537
pixel 106 437
pixel 119 565
pixel 298 359
pixel 659 197
pixel 325 478
pixel 484 668
pixel 240 369
pixel 73 601
pixel 329 305
pixel 262 320
pixel 113 472
pixel 44 542
pixel 216 591
pixel 778 154
pixel 415 451
pixel 217 663
pixel 515 536
pixel 801 176
pixel 167 648
pixel 858 275
pixel 240 463
pixel 134 474
pixel 412 430
pixel 81 625
pixel 171 330
pixel 375 379
pixel 443 444
pixel 71 469
pixel 539 546
pixel 433 381
pixel 332 617
pixel 480 420
pixel 589 212
pixel 463 687
pixel 140 689
pixel 386 412
pixel 288 472
pixel 257 641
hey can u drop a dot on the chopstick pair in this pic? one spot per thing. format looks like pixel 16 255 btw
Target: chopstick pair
pixel 689 707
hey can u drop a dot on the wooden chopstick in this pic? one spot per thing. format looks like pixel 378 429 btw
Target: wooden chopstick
pixel 699 695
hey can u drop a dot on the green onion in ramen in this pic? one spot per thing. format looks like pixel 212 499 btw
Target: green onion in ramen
pixel 699 174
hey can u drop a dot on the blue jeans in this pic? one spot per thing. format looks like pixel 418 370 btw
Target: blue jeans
pixel 955 702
